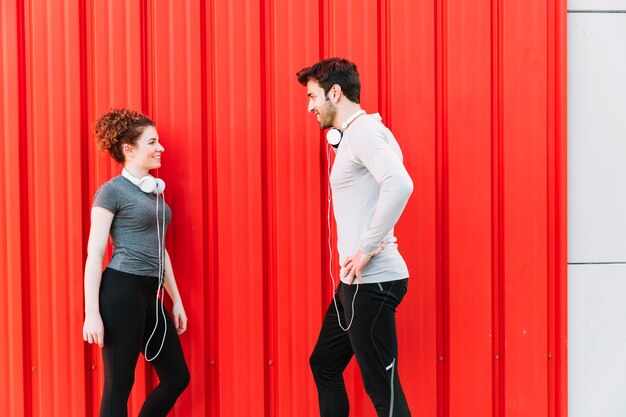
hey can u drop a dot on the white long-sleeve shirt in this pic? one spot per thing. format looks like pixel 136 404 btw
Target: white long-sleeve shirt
pixel 370 188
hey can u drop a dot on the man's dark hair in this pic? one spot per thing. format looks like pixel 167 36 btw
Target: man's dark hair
pixel 331 71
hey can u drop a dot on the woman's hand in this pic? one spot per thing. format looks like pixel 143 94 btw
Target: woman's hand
pixel 93 329
pixel 180 317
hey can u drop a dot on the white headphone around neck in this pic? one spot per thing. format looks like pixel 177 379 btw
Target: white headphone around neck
pixel 150 184
pixel 334 135
pixel 147 184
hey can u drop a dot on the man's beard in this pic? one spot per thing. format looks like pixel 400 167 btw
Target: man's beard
pixel 327 114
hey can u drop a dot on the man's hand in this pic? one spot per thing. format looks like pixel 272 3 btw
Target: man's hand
pixel 355 263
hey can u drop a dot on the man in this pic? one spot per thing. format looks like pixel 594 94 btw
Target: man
pixel 370 188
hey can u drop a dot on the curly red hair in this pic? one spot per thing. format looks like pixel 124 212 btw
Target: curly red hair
pixel 117 128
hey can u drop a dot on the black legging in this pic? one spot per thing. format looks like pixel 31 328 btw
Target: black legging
pixel 371 338
pixel 127 306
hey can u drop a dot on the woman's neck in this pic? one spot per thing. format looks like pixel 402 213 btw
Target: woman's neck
pixel 136 172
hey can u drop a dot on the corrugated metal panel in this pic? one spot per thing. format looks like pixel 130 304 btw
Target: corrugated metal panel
pixel 475 93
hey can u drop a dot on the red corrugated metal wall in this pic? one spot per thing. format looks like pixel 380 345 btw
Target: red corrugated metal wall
pixel 473 90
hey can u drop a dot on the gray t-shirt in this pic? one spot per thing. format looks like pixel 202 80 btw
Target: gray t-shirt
pixel 134 227
pixel 370 188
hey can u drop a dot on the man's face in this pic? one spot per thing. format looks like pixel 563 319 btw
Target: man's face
pixel 320 105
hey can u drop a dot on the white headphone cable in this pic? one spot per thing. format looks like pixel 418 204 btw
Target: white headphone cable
pixel 330 251
pixel 161 288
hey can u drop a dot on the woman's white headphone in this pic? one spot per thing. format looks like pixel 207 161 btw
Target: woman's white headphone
pixel 150 184
pixel 147 184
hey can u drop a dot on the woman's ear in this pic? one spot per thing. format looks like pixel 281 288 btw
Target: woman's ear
pixel 128 150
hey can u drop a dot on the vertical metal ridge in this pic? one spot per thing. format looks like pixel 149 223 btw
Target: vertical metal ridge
pixel 147 58
pixel 214 287
pixel 383 62
pixel 268 198
pixel 562 211
pixel 72 402
pixel 12 84
pixel 552 197
pixel 323 48
pixel 209 199
pixel 498 213
pixel 25 132
pixel 560 93
pixel 147 94
pixel 388 79
pixel 445 178
pixel 84 43
pixel 442 256
pixel 91 357
pixel 324 52
pixel 495 209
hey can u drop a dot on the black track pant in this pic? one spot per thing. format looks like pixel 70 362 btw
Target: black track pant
pixel 127 306
pixel 372 339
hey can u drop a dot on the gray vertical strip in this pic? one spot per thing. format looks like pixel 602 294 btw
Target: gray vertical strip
pixel 393 369
pixel 596 11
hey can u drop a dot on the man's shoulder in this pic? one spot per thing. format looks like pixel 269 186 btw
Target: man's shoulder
pixel 370 125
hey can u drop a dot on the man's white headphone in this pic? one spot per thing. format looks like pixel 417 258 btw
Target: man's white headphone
pixel 334 135
pixel 147 184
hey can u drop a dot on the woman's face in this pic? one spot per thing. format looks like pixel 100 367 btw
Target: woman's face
pixel 146 154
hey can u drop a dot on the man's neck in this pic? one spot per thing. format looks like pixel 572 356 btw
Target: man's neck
pixel 344 113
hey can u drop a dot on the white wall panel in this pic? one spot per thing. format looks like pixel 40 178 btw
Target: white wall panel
pixel 597 137
pixel 573 5
pixel 597 340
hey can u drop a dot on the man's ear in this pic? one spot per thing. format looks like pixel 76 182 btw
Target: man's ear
pixel 335 92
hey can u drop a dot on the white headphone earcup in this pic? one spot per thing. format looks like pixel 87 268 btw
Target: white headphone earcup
pixel 147 184
pixel 159 186
pixel 333 136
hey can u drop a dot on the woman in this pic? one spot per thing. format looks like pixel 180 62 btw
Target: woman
pixel 123 313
